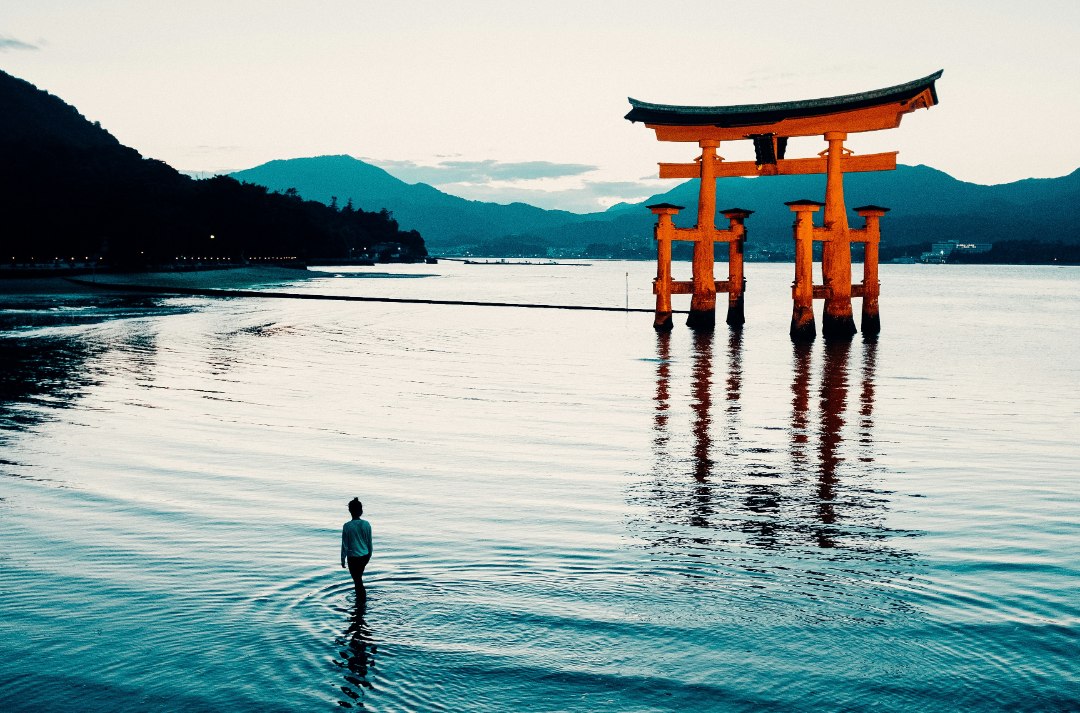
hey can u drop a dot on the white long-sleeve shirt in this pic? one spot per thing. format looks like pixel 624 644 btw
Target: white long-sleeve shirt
pixel 355 539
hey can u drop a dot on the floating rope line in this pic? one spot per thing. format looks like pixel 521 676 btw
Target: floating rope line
pixel 210 292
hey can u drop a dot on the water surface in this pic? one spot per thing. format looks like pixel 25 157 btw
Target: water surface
pixel 570 512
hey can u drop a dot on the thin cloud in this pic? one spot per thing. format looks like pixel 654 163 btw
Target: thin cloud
pixel 521 171
pixel 480 172
pixel 545 184
pixel 588 197
pixel 626 189
pixel 9 44
pixel 208 148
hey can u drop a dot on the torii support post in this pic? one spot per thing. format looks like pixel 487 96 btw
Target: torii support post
pixel 837 321
pixel 736 316
pixel 702 316
pixel 871 233
pixel 803 328
pixel 665 231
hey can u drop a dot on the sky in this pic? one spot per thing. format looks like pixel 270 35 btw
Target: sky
pixel 509 101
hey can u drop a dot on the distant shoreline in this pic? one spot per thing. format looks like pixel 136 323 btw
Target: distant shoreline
pixel 51 281
pixel 56 282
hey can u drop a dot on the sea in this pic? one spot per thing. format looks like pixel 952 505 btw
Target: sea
pixel 570 511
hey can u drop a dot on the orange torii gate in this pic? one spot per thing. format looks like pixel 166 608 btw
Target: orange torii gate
pixel 769 126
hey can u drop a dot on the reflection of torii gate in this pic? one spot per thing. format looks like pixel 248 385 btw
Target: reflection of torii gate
pixel 769 126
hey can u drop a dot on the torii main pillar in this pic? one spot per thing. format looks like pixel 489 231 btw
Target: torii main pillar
pixel 703 301
pixel 837 322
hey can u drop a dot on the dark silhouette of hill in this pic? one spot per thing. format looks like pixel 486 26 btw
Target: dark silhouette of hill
pixel 443 219
pixel 71 189
pixel 927 206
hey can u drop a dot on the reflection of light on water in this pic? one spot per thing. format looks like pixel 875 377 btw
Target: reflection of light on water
pixel 701 403
pixel 834 386
pixel 701 390
pixel 741 485
pixel 866 400
pixel 663 377
pixel 41 374
pixel 800 404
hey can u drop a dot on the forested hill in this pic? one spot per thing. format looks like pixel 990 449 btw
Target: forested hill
pixel 71 189
pixel 445 220
pixel 1029 220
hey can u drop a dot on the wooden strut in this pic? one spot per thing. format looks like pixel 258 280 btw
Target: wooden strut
pixel 837 321
pixel 803 328
pixel 703 300
pixel 871 287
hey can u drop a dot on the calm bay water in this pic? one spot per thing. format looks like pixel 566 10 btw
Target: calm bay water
pixel 570 512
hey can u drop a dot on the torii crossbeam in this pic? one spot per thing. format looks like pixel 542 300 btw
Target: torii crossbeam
pixel 769 126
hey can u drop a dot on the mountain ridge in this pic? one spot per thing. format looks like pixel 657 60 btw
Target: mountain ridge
pixel 928 205
pixel 442 218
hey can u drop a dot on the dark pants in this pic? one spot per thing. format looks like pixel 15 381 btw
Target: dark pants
pixel 356 569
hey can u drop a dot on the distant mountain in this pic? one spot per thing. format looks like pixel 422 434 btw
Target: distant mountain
pixel 69 189
pixel 444 220
pixel 927 206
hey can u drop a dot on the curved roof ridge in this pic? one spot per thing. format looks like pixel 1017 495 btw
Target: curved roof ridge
pixel 656 113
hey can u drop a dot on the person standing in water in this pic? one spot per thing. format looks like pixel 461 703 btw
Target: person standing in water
pixel 356 546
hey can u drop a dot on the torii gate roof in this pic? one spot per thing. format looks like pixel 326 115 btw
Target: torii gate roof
pixel 866 111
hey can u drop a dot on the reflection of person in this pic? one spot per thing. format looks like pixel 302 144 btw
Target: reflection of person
pixel 356 544
pixel 356 655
